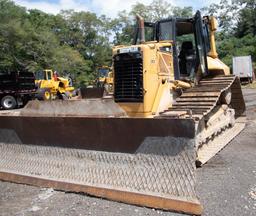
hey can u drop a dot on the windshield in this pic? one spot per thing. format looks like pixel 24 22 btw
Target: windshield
pixel 103 72
pixel 165 31
pixel 160 31
pixel 40 75
pixel 149 29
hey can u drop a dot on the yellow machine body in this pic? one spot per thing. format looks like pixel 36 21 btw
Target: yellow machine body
pixel 54 84
pixel 105 78
pixel 158 76
pixel 159 84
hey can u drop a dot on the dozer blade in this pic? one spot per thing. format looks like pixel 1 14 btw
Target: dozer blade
pixel 95 92
pixel 147 162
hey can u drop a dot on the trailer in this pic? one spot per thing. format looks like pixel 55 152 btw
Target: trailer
pixel 16 89
pixel 242 67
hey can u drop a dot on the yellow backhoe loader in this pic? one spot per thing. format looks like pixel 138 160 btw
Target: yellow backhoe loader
pixel 51 86
pixel 175 105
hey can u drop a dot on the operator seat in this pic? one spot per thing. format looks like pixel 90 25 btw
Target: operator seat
pixel 187 59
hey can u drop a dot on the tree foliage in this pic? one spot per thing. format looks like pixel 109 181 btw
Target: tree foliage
pixel 124 25
pixel 78 42
pixel 237 35
pixel 70 42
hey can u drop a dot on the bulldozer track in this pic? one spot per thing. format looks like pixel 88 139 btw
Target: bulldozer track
pixel 212 147
pixel 199 102
pixel 204 97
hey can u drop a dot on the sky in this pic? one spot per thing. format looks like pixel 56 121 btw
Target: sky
pixel 107 7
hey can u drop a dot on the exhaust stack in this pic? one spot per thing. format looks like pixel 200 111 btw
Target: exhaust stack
pixel 141 27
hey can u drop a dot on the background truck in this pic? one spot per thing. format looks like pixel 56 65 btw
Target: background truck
pixel 242 67
pixel 16 89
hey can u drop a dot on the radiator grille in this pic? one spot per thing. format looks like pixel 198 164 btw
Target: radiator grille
pixel 128 76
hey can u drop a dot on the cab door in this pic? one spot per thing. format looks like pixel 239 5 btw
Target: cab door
pixel 202 43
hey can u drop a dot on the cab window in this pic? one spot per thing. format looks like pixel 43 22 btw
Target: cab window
pixel 49 75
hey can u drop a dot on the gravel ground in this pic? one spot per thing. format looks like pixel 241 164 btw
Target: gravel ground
pixel 226 185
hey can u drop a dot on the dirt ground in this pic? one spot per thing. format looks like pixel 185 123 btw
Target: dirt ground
pixel 226 185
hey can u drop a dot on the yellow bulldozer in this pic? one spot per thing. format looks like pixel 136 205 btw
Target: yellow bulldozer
pixel 102 85
pixel 51 86
pixel 105 79
pixel 175 105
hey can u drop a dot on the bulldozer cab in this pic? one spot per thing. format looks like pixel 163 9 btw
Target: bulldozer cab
pixel 102 75
pixel 190 42
pixel 103 71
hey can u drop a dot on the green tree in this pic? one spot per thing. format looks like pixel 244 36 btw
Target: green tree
pixel 11 34
pixel 234 46
pixel 226 14
pixel 247 18
pixel 182 12
pixel 31 40
pixel 124 25
pixel 237 28
pixel 123 28
pixel 160 9
pixel 88 34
